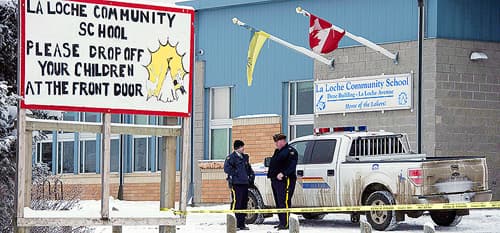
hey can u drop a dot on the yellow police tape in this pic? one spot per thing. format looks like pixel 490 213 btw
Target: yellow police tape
pixel 415 207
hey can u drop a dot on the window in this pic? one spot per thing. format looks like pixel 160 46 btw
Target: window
pixel 159 153
pixel 116 118
pixel 301 98
pixel 300 109
pixel 323 151
pixel 220 143
pixel 303 148
pixel 91 117
pixel 221 103
pixel 315 152
pixel 70 116
pixel 220 122
pixel 141 120
pixel 115 155
pixel 140 154
pixel 66 154
pixel 45 153
pixel 301 130
pixel 88 152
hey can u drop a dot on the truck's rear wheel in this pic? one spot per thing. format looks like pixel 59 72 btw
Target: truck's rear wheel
pixel 381 220
pixel 445 218
pixel 254 202
pixel 313 216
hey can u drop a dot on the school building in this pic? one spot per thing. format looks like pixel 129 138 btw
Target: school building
pixel 461 94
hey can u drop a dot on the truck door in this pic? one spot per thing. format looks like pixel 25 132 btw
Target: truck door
pixel 318 181
pixel 304 148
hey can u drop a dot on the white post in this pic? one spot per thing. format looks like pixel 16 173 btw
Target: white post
pixel 429 228
pixel 230 223
pixel 105 164
pixel 186 162
pixel 28 166
pixel 365 227
pixel 168 173
pixel 21 169
pixel 21 158
pixel 299 49
pixel 294 225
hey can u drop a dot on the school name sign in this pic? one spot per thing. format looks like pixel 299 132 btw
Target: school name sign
pixel 373 93
pixel 106 56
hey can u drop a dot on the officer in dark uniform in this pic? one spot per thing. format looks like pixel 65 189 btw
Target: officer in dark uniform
pixel 282 172
pixel 239 176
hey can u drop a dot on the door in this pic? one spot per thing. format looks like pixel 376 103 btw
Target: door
pixel 318 181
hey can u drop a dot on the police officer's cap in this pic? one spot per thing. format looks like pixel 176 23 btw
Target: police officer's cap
pixel 238 144
pixel 279 136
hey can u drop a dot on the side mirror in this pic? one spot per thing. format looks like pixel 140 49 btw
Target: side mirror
pixel 267 161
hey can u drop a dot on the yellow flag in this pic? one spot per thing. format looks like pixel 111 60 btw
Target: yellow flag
pixel 256 43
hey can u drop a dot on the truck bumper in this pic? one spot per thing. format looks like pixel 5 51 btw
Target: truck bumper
pixel 483 196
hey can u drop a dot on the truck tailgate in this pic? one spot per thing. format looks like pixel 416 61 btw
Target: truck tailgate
pixel 454 175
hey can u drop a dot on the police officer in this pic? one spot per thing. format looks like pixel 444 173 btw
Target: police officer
pixel 239 176
pixel 282 172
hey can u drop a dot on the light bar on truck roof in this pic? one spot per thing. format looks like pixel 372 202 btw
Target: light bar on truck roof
pixel 325 130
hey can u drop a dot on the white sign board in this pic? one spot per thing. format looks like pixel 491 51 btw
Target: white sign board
pixel 373 93
pixel 106 56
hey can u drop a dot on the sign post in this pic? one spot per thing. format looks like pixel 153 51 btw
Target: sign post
pixel 105 165
pixel 168 173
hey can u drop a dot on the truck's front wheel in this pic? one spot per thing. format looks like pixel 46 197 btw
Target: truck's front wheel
pixel 445 218
pixel 254 202
pixel 381 220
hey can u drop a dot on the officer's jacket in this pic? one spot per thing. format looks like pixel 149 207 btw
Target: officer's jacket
pixel 238 169
pixel 284 161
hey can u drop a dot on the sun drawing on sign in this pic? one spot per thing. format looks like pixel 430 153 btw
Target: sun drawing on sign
pixel 166 74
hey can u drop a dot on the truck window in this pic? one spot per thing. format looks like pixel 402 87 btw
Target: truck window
pixel 377 145
pixel 322 152
pixel 303 148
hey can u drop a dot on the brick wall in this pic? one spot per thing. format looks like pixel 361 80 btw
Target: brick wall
pixel 257 133
pixel 137 187
pixel 214 187
pixel 468 103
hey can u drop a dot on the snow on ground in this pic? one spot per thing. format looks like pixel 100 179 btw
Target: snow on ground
pixel 480 221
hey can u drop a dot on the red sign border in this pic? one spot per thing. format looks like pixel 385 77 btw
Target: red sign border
pixel 107 110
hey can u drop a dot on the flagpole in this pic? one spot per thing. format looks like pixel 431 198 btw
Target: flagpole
pixel 299 49
pixel 359 39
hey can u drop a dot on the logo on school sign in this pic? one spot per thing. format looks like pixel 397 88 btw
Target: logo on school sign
pixel 106 56
pixel 373 93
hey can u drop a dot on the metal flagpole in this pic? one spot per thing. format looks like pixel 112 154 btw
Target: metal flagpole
pixel 299 49
pixel 361 40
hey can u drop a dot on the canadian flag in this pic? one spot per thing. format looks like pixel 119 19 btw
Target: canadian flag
pixel 322 37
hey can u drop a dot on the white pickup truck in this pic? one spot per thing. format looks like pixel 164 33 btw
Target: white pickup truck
pixel 347 166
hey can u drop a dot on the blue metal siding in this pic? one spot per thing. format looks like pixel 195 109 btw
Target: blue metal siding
pixel 431 18
pixel 225 45
pixel 469 20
